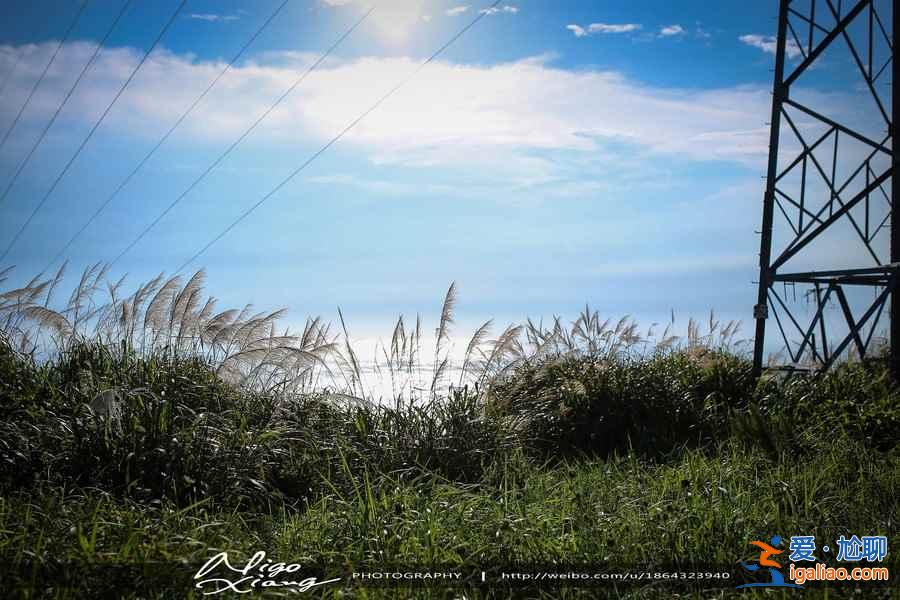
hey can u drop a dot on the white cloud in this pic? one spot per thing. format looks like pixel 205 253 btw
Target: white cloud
pixel 507 8
pixel 670 30
pixel 212 18
pixel 580 31
pixel 768 43
pixel 449 115
pixel 383 186
pixel 426 18
pixel 609 28
pixel 456 10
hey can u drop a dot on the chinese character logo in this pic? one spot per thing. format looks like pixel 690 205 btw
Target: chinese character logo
pixel 776 579
pixel 802 548
pixel 871 548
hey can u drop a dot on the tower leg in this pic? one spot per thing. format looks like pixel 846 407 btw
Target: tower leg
pixel 761 310
pixel 895 196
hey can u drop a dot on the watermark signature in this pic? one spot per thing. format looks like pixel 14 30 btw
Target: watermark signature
pixel 218 575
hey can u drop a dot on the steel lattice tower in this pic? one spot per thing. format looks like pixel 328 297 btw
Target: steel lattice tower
pixel 831 170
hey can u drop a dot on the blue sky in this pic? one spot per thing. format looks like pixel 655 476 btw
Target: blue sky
pixel 558 153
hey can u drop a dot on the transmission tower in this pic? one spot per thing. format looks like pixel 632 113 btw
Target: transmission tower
pixel 830 243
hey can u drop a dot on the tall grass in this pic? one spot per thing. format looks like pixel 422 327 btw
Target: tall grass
pixel 167 317
pixel 173 317
pixel 150 427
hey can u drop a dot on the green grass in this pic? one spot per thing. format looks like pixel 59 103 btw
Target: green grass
pixel 143 434
pixel 620 511
pixel 679 458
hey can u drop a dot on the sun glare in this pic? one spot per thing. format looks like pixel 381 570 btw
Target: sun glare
pixel 395 20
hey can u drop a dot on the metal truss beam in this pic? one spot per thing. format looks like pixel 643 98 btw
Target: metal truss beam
pixel 829 196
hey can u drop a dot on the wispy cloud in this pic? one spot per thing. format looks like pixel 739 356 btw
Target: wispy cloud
pixel 212 18
pixel 571 132
pixel 450 114
pixel 593 28
pixel 670 30
pixel 768 44
pixel 612 28
pixel 507 8
pixel 456 10
pixel 383 186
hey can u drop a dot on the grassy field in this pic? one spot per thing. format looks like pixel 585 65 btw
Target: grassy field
pixel 128 458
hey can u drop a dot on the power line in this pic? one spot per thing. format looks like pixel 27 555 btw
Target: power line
pixel 336 138
pixel 92 131
pixel 165 137
pixel 247 132
pixel 52 120
pixel 37 83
